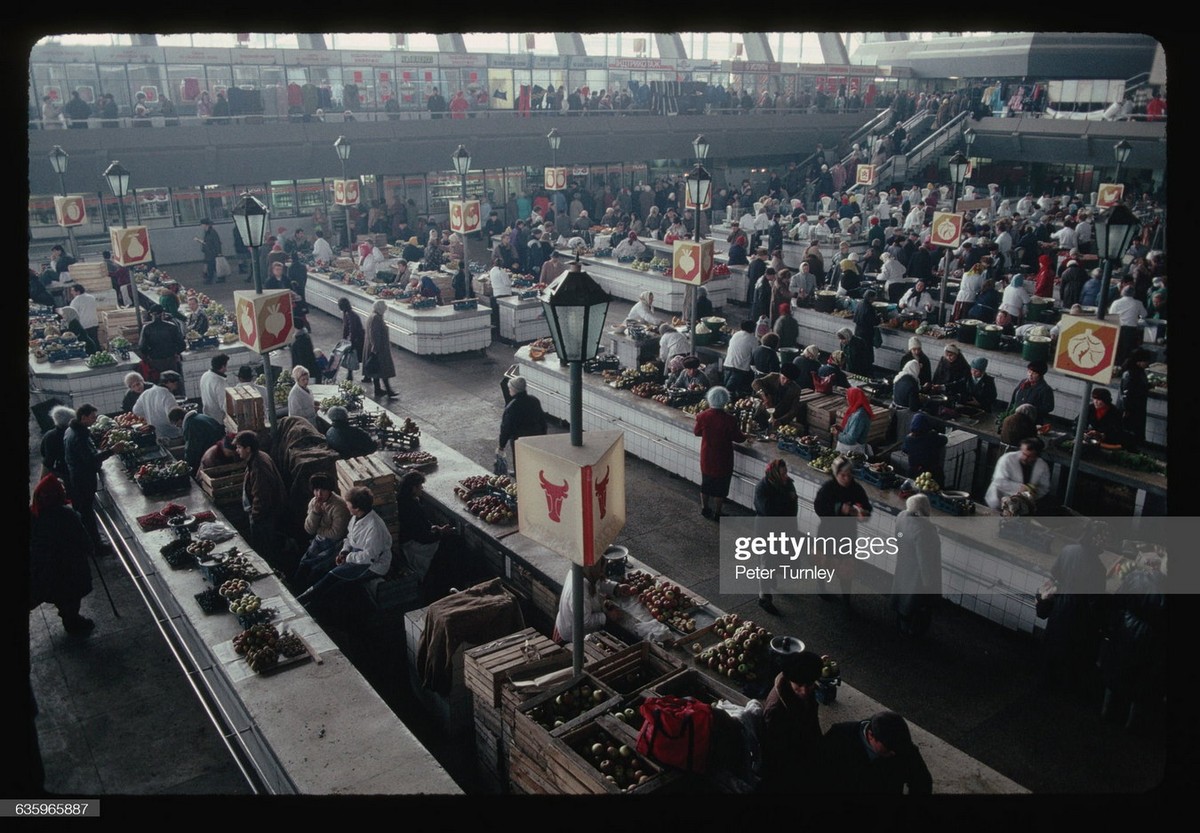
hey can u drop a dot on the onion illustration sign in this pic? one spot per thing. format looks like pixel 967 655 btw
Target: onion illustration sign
pixel 945 229
pixel 1087 348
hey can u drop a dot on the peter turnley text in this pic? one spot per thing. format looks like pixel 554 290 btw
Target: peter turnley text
pixel 784 572
pixel 780 545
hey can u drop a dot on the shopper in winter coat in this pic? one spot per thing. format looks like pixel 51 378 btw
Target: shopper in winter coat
pixel 1133 661
pixel 352 331
pixel 774 497
pixel 718 430
pixel 59 548
pixel 377 352
pixel 791 729
pixel 1073 627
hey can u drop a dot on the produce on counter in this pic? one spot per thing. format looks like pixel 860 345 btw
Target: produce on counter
pixel 233 587
pixel 926 483
pixel 246 603
pixel 259 645
pixel 668 603
pixel 100 358
pixel 414 458
pixel 152 472
pixel 742 653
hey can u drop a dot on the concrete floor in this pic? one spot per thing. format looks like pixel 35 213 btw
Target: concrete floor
pixel 115 711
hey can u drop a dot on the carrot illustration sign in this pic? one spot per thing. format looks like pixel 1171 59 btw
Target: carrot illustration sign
pixel 1087 348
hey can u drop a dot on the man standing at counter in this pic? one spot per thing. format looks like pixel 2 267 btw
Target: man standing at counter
pixel 161 344
pixel 1020 471
pixel 263 496
pixel 212 388
pixel 83 463
pixel 155 404
pixel 84 303
pixel 1035 391
pixel 200 433
pixel 738 374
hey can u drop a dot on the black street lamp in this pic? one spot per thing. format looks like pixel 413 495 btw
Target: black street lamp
pixel 699 190
pixel 118 183
pixel 575 307
pixel 343 151
pixel 958 172
pixel 1121 151
pixel 969 137
pixel 1114 232
pixel 250 216
pixel 555 143
pixel 462 163
pixel 58 161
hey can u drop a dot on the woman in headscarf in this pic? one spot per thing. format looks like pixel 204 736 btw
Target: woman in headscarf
pixel 629 247
pixel 1044 283
pixel 704 306
pixel 834 367
pixel 300 399
pixel 377 352
pixel 917 581
pixel 718 430
pixel 774 497
pixel 852 432
pixel 59 547
pixel 906 386
pixel 643 311
pixel 1013 303
pixel 841 502
pixel 809 364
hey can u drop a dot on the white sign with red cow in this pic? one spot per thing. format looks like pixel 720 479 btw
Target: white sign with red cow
pixel 572 498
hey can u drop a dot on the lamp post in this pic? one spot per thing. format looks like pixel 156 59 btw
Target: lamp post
pixel 118 183
pixel 343 151
pixel 1114 233
pixel 251 216
pixel 555 143
pixel 699 190
pixel 958 172
pixel 1121 151
pixel 58 161
pixel 462 163
pixel 575 307
pixel 969 136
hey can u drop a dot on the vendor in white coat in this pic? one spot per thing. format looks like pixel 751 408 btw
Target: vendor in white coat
pixel 156 403
pixel 1020 471
pixel 918 299
pixel 643 311
pixel 598 607
pixel 212 388
pixel 371 260
pixel 629 247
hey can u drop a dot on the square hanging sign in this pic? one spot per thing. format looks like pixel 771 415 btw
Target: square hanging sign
pixel 130 245
pixel 1087 348
pixel 946 229
pixel 692 261
pixel 69 211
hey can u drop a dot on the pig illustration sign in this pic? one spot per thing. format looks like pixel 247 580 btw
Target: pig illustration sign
pixel 69 211
pixel 345 192
pixel 464 216
pixel 1087 348
pixel 264 321
pixel 130 244
pixel 572 498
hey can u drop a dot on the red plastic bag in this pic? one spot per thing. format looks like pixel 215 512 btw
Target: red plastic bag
pixel 676 731
pixel 822 384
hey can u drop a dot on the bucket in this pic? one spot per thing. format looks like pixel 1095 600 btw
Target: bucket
pixel 616 559
pixel 825 301
pixel 988 337
pixel 1036 348
pixel 827 688
pixel 967 329
pixel 1037 309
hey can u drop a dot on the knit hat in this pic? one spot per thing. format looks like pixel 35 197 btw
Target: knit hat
pixel 914 343
pixel 952 348
pixel 338 414
pixel 980 363
pixel 516 384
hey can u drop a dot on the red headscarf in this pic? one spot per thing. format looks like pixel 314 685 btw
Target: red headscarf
pixel 48 494
pixel 1044 284
pixel 785 309
pixel 856 399
pixel 777 472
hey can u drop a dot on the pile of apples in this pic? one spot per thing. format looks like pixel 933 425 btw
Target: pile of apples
pixel 667 603
pixel 567 706
pixel 741 654
pixel 617 761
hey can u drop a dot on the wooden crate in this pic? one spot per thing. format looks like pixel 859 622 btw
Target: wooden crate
pixel 533 737
pixel 600 644
pixel 368 472
pixel 244 407
pixel 93 276
pixel 569 760
pixel 487 666
pixel 527 774
pixel 223 484
pixel 513 696
pixel 635 668
pixel 694 683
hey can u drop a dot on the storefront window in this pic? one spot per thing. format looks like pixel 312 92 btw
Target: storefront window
pixel 189 206
pixel 114 80
pixel 282 198
pixel 153 207
pixel 219 200
pixel 185 82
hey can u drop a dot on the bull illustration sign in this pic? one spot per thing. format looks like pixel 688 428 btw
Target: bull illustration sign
pixel 555 495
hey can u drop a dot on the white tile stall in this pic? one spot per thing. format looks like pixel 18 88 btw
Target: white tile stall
pixel 521 321
pixel 425 332
pixel 73 383
pixel 628 283
pixel 996 581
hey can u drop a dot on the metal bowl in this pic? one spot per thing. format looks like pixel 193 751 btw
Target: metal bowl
pixel 952 495
pixel 182 521
pixel 786 645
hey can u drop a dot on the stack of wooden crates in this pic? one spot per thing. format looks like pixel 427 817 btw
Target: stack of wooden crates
pixel 118 322
pixel 827 409
pixel 246 411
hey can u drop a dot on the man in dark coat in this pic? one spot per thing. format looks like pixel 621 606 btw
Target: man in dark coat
pixel 523 416
pixel 872 756
pixel 346 439
pixel 1073 279
pixel 83 463
pixel 753 272
pixel 161 343
pixel 263 497
pixel 791 730
pixel 200 433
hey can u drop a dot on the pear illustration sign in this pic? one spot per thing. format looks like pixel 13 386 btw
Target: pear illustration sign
pixel 345 192
pixel 555 179
pixel 1109 194
pixel 69 211
pixel 464 216
pixel 946 229
pixel 692 262
pixel 572 497
pixel 1087 348
pixel 264 321
pixel 864 175
pixel 130 245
